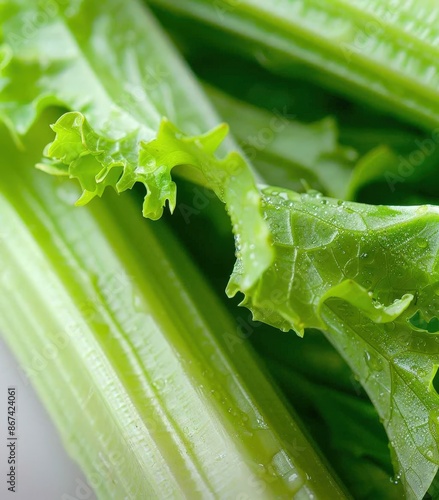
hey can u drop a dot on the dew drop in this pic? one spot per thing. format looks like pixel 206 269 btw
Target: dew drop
pixel 312 193
pixel 159 384
pixel 396 479
pixel 295 481
pixel 374 363
pixel 281 466
pixel 433 423
pixel 421 242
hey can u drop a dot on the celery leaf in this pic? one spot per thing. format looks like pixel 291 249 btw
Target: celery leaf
pixel 90 58
pixel 360 273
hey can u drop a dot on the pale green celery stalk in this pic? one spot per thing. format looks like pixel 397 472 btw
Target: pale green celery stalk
pixel 380 51
pixel 321 251
pixel 103 142
pixel 150 386
pixel 130 98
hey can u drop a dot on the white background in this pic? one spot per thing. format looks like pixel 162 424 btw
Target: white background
pixel 44 470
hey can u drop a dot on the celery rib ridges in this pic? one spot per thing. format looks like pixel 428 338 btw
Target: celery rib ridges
pixel 373 51
pixel 140 373
pixel 108 142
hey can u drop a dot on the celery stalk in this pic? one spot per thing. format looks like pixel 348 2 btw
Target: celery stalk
pixel 380 51
pixel 151 388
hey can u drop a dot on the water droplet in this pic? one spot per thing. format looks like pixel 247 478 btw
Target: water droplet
pixel 421 242
pixel 295 481
pixel 261 424
pixel 433 423
pixel 373 362
pixel 159 384
pixel 312 193
pixel 282 466
pixel 397 478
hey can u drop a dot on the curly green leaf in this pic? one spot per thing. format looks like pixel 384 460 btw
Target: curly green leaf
pixel 337 265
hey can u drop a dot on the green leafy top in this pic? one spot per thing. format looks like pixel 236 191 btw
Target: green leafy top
pixel 117 134
pixel 367 276
pixel 97 163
